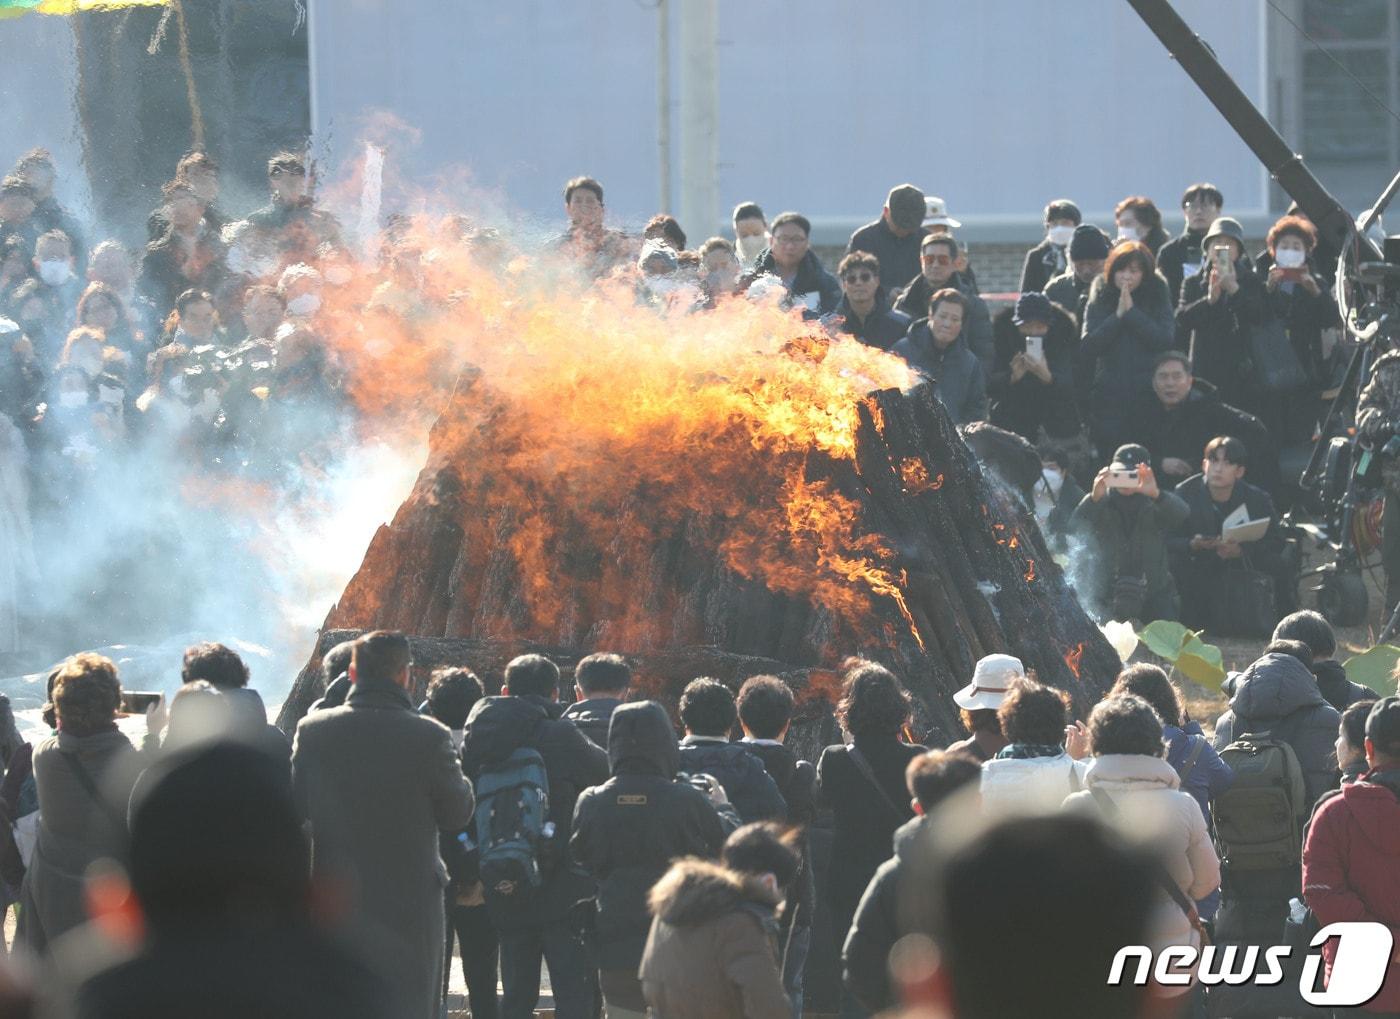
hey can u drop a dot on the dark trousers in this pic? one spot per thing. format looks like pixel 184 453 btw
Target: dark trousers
pixel 573 976
pixel 476 939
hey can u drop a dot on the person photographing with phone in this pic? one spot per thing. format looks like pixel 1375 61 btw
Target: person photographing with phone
pixel 1219 306
pixel 1126 520
pixel 1031 384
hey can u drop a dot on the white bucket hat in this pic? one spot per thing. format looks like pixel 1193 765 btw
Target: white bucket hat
pixel 990 681
pixel 936 213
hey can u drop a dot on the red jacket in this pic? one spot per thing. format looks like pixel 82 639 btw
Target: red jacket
pixel 1351 870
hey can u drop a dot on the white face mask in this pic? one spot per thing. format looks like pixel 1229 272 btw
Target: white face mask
pixel 55 271
pixel 1060 235
pixel 1290 258
pixel 306 304
pixel 1129 233
pixel 751 247
pixel 1054 480
pixel 72 398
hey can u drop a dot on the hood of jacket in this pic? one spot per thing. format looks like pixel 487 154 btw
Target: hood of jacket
pixel 642 742
pixel 497 726
pixel 1114 773
pixel 1271 689
pixel 1332 680
pixel 594 709
pixel 696 891
pixel 707 754
pixel 1152 290
pixel 1376 811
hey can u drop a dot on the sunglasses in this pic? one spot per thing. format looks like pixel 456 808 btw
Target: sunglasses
pixel 859 277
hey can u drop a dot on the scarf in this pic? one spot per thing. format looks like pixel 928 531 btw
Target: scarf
pixel 1025 751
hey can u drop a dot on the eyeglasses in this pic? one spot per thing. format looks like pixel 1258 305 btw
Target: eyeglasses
pixel 790 240
pixel 859 277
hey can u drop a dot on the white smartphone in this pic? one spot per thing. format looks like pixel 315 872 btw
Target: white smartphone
pixel 1035 347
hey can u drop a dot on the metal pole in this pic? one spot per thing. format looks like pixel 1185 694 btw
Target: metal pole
pixel 663 100
pixel 1286 166
pixel 699 113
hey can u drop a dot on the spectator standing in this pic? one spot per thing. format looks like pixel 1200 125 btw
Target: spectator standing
pixel 1138 219
pixel 864 311
pixel 862 783
pixel 1128 527
pixel 708 713
pixel 1138 792
pixel 750 233
pixel 1185 414
pixel 602 681
pixel 1313 629
pixel 1050 257
pixel 1034 771
pixel 1218 310
pixel 187 256
pixel 377 781
pixel 1031 383
pixel 83 777
pixel 290 223
pixel 1127 323
pixel 936 346
pixel 938 259
pixel 790 258
pixel 1351 862
pixel 529 715
pixel 720 268
pixel 221 878
pixel 666 229
pixel 17 219
pixel 222 667
pixel 711 953
pixel 627 832
pixel 1351 746
pixel 894 239
pixel 932 778
pixel 765 706
pixel 55 287
pixel 37 169
pixel 1088 250
pixel 979 701
pixel 1181 258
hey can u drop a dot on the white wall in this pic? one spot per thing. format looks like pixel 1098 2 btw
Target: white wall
pixel 997 105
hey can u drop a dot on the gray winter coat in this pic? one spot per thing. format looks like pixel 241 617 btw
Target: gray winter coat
pixel 866 954
pixel 958 375
pixel 76 828
pixel 377 781
pixel 1278 693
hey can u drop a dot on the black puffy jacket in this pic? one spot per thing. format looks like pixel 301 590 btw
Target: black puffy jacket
pixel 797 781
pixel 746 782
pixel 593 716
pixel 628 830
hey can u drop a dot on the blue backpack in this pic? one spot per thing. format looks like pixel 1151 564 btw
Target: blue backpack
pixel 512 811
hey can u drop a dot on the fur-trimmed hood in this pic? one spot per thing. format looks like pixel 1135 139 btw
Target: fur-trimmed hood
pixel 695 891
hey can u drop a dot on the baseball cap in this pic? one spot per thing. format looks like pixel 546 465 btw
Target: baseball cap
pixel 936 213
pixel 1383 726
pixel 1130 457
pixel 990 680
pixel 906 205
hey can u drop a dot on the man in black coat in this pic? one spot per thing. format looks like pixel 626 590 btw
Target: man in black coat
pixel 626 833
pixel 1031 384
pixel 1050 257
pixel 1218 312
pixel 1088 250
pixel 789 257
pixel 1202 558
pixel 864 311
pixel 894 238
pixel 378 781
pixel 938 257
pixel 1313 629
pixel 765 706
pixel 708 714
pixel 1186 414
pixel 527 714
pixel 1181 257
pixel 602 681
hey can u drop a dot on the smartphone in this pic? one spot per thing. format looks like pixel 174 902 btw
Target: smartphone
pixel 1035 347
pixel 136 702
pixel 1122 479
pixel 1221 254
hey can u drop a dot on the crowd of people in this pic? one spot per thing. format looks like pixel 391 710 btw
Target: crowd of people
pixel 686 866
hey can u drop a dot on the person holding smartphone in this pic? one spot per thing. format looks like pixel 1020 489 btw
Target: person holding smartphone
pixel 1031 384
pixel 1126 520
pixel 1219 306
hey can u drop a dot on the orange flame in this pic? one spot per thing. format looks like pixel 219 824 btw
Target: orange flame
pixel 914 473
pixel 1030 571
pixel 1073 657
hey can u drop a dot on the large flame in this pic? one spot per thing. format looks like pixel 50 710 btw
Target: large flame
pixel 604 423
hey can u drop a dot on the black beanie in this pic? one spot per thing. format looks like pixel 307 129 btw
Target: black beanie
pixel 1088 244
